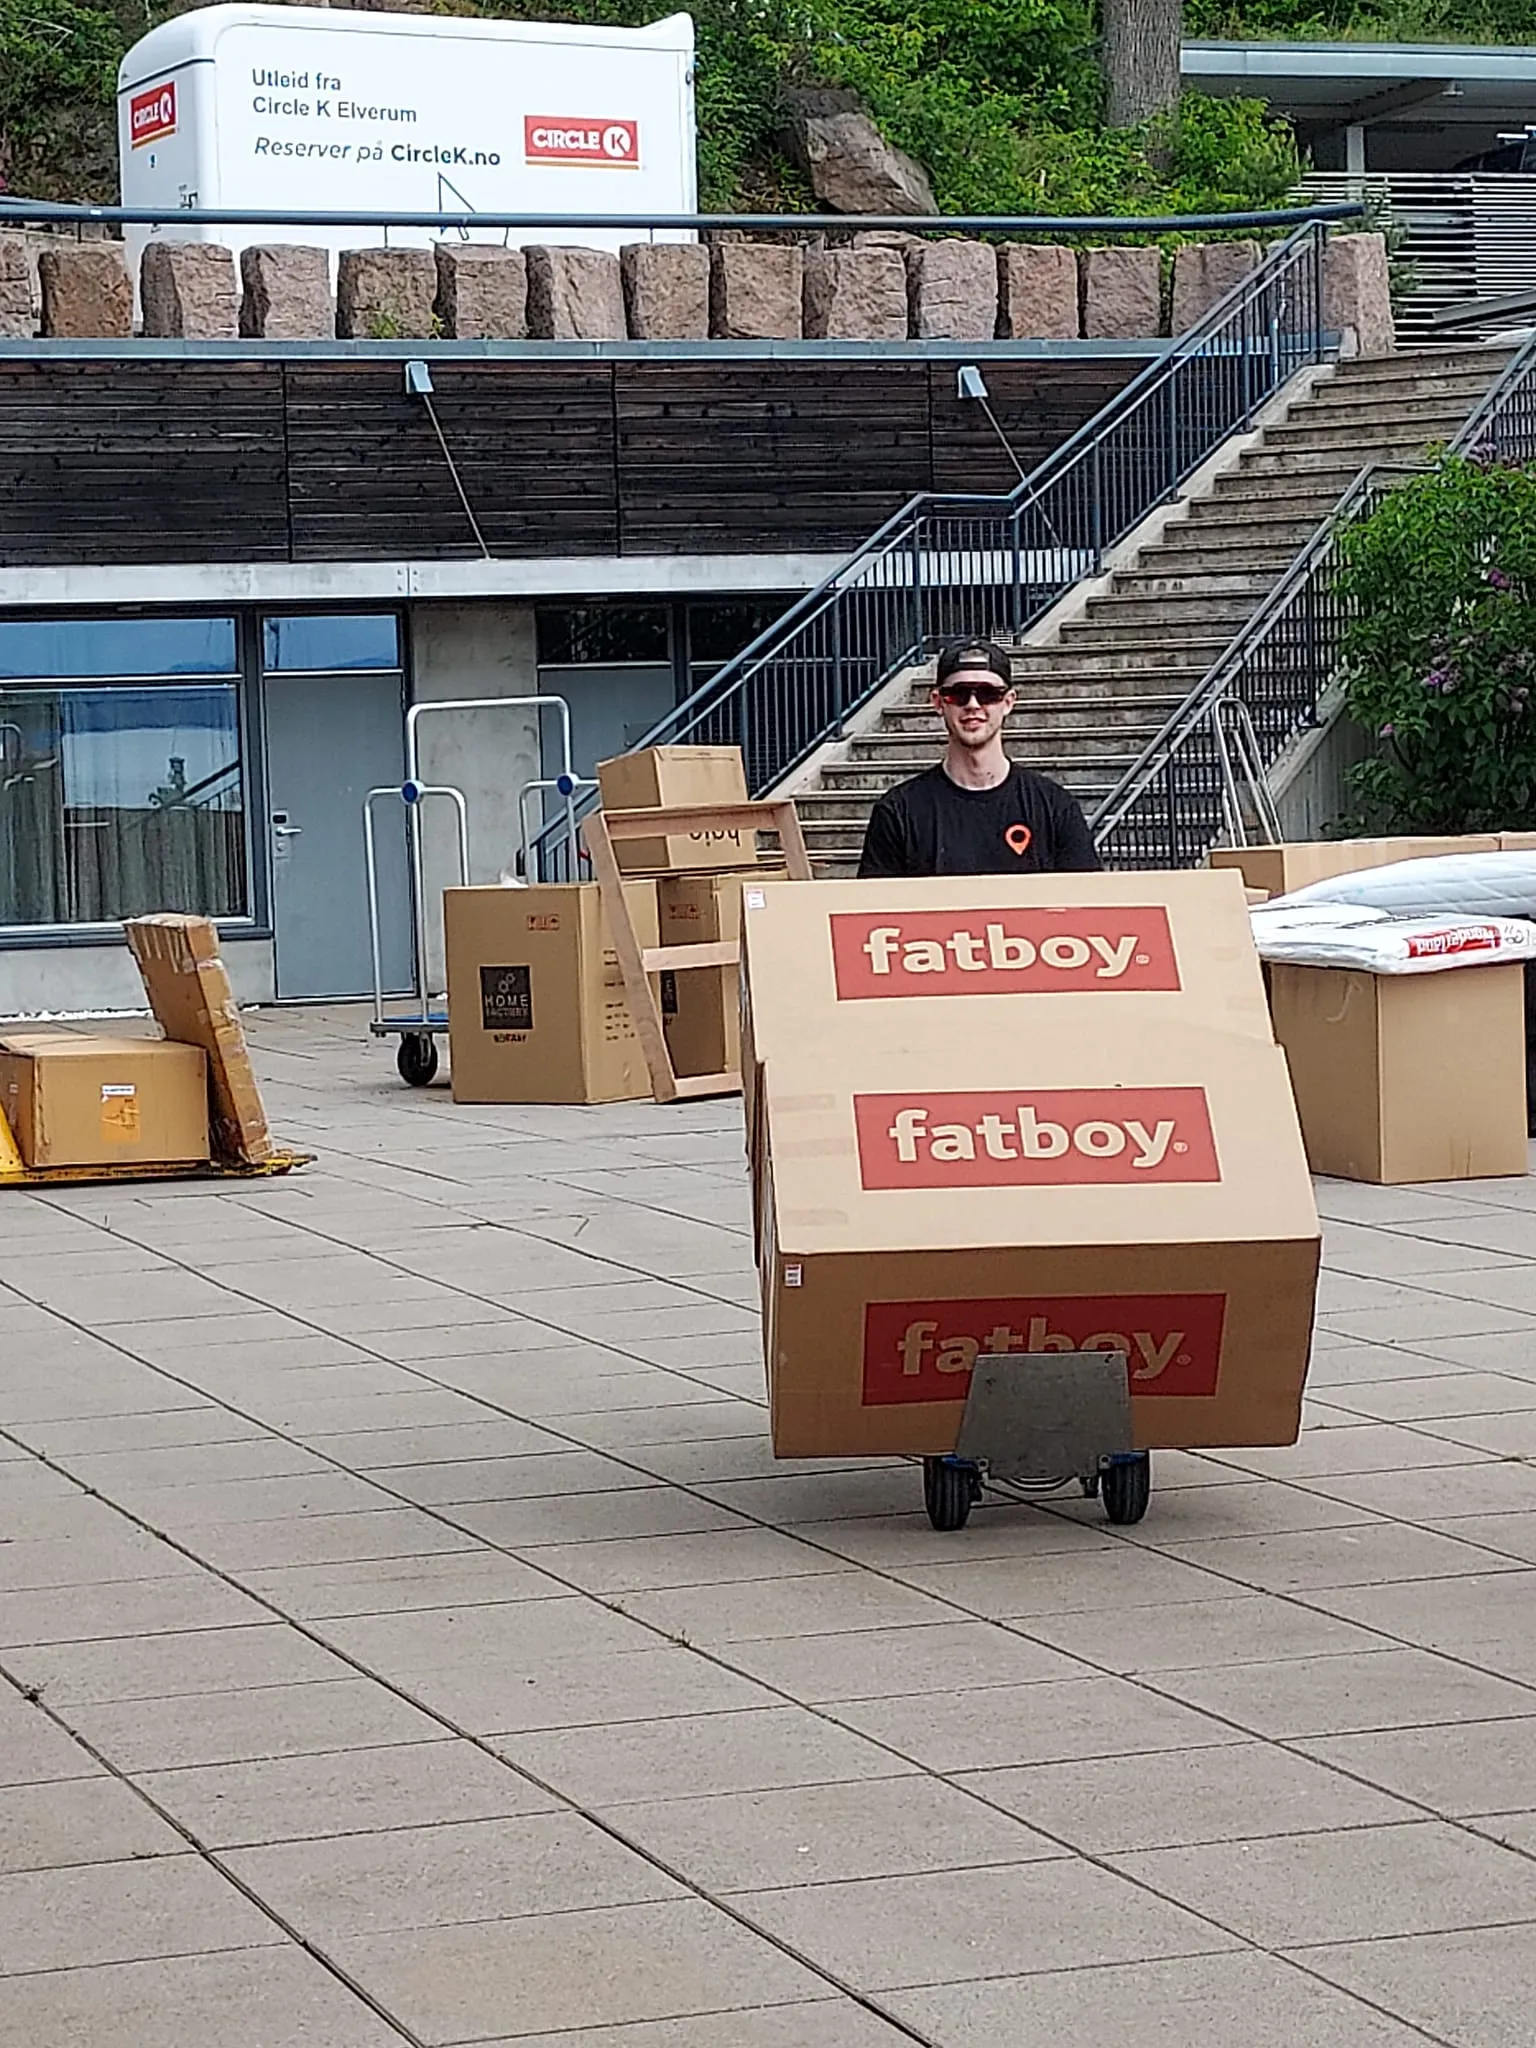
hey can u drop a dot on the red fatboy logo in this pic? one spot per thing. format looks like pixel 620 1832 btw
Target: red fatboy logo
pixel 926 1350
pixel 1128 947
pixel 561 139
pixel 1036 1137
pixel 152 114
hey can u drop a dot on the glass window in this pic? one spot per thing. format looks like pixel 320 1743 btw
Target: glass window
pixel 718 632
pixel 116 801
pixel 345 640
pixel 58 648
pixel 603 635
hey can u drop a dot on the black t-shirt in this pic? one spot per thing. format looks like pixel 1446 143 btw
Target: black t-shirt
pixel 1026 825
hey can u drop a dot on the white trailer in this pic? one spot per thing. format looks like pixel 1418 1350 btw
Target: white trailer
pixel 305 109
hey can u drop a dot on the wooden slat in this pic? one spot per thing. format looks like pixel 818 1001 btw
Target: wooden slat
pixel 677 959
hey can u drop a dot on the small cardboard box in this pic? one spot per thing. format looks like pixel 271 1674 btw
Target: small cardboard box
pixel 1406 1077
pixel 536 1004
pixel 704 1028
pixel 77 1101
pixel 1279 869
pixel 678 775
pixel 1081 1190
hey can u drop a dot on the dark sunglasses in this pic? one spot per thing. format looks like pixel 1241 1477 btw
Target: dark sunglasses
pixel 983 693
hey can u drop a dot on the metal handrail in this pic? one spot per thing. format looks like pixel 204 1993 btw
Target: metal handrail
pixel 1298 632
pixel 950 563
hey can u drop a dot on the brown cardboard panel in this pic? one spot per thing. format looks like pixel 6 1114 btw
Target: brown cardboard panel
pixel 77 1101
pixel 1407 1077
pixel 189 992
pixel 536 1006
pixel 1279 869
pixel 927 966
pixel 704 1029
pixel 677 775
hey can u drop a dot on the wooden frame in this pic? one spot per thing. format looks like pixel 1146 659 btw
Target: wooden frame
pixel 638 963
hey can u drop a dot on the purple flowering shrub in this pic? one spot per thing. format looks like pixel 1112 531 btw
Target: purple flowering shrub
pixel 1440 653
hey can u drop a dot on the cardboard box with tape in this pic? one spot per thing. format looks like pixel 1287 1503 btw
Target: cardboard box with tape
pixel 1095 1151
pixel 662 776
pixel 1279 869
pixel 536 1003
pixel 74 1101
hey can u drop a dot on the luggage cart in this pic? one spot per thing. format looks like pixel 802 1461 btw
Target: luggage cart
pixel 1035 1423
pixel 419 1027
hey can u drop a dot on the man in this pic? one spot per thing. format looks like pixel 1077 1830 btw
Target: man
pixel 977 813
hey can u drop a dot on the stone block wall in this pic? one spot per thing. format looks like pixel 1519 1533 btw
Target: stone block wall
pixel 875 287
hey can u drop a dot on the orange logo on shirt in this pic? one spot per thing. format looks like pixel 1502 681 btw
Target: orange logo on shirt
pixel 1017 839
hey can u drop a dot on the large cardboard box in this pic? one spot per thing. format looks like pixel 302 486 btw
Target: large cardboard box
pixel 1096 1150
pixel 189 992
pixel 677 775
pixel 1406 1077
pixel 1279 869
pixel 704 1027
pixel 77 1101
pixel 536 1004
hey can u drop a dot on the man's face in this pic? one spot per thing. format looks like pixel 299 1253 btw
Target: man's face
pixel 971 721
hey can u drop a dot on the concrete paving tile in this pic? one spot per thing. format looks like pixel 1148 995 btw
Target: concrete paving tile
pixel 640 1563
pixel 1503 1351
pixel 65 1561
pixel 1499 1487
pixel 454 1871
pixel 1509 1433
pixel 593 1518
pixel 602 1968
pixel 1380 1254
pixel 587 1691
pixel 829 2023
pixel 998 1528
pixel 470 1480
pixel 1429 1317
pixel 739 1457
pixel 154 1296
pixel 1469 1990
pixel 1253 1628
pixel 1262 2001
pixel 1453 1615
pixel 490 1436
pixel 342 1415
pixel 1368 1554
pixel 1370 1447
pixel 244 1547
pixel 33 1749
pixel 415 1785
pixel 692 1755
pixel 497 1647
pixel 881 1933
pixel 987 1728
pixel 833 1603
pixel 881 1663
pixel 1337 1362
pixel 272 1720
pixel 251 1998
pixel 122 1913
pixel 255 1456
pixel 1286 1891
pixel 80 1518
pixel 1386 1688
pixel 821 1834
pixel 1505 1284
pixel 1511 1536
pixel 27 1480
pixel 295 1498
pixel 1457 1770
pixel 162 1666
pixel 1247 1507
pixel 1511 1830
pixel 690 1422
pixel 392 1585
pixel 1436 1396
pixel 204 1422
pixel 83 1820
pixel 1113 1574
pixel 1180 1797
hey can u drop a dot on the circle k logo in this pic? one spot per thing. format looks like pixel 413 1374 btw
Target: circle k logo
pixel 1126 947
pixel 1058 1137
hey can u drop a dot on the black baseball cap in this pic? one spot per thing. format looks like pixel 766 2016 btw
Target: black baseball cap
pixel 974 654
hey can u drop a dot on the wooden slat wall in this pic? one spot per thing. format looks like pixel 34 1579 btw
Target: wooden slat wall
pixel 142 462
pixel 152 462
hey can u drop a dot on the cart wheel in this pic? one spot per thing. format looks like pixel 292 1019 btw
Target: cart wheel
pixel 1126 1486
pixel 951 1487
pixel 1089 1482
pixel 417 1058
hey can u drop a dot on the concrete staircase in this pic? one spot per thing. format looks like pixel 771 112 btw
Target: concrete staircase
pixel 1094 689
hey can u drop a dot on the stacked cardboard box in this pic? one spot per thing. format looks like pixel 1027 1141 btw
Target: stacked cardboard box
pixel 993 1115
pixel 536 1007
pixel 665 776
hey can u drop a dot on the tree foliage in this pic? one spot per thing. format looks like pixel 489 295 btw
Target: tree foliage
pixel 1441 655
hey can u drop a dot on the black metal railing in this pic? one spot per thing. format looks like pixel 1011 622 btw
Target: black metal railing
pixel 948 565
pixel 1190 789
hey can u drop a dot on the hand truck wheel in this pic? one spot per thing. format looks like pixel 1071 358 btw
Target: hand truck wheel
pixel 951 1488
pixel 1125 1485
pixel 417 1058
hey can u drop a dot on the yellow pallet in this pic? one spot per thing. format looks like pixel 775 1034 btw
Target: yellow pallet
pixel 14 1173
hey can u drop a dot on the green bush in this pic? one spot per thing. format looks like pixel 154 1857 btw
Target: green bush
pixel 1441 655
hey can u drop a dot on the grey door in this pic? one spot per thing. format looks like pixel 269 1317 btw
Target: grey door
pixel 330 739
